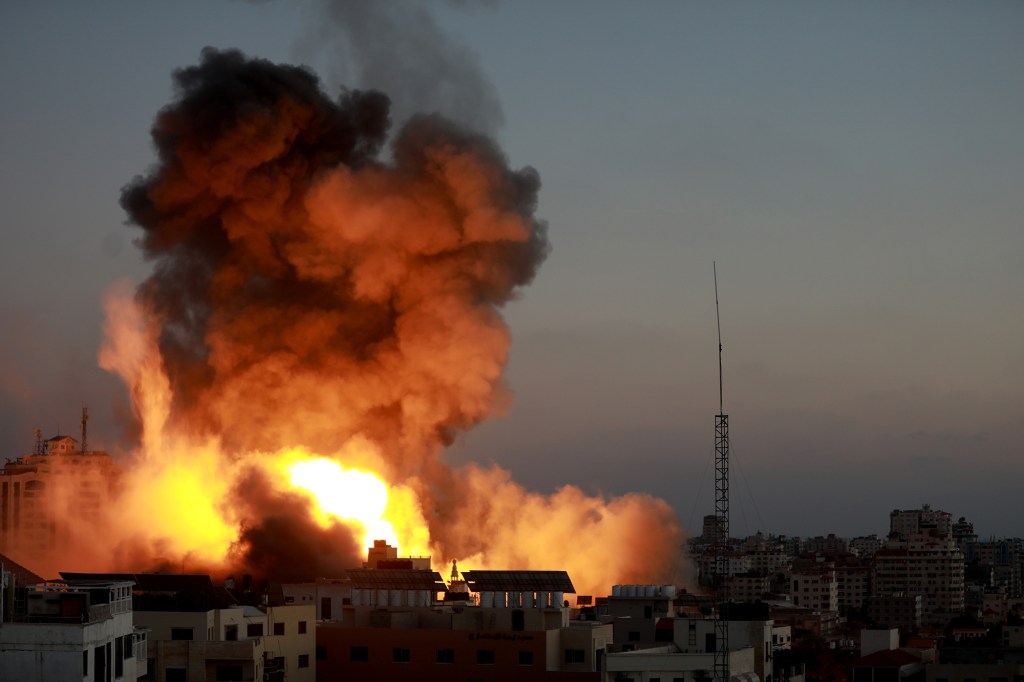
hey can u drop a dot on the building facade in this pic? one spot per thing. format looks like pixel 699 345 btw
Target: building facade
pixel 43 496
pixel 70 630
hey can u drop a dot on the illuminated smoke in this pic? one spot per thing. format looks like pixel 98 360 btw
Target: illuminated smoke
pixel 308 299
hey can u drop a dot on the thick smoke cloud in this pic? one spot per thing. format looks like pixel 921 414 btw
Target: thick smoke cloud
pixel 308 293
pixel 279 538
pixel 310 298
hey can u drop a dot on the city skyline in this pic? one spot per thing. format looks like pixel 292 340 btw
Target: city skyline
pixel 854 171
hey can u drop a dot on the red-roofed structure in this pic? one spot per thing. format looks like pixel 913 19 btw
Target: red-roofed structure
pixel 891 665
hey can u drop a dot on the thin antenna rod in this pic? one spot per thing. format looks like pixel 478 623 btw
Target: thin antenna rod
pixel 718 322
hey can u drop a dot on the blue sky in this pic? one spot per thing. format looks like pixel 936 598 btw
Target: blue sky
pixel 855 169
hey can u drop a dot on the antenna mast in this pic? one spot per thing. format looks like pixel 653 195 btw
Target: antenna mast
pixel 85 418
pixel 721 576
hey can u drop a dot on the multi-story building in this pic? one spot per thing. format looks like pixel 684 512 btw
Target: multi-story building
pixel 769 560
pixel 199 632
pixel 635 609
pixel 895 610
pixel 69 630
pixel 963 534
pixel 823 544
pixel 685 649
pixel 922 559
pixel 749 586
pixel 924 521
pixel 713 531
pixel 514 625
pixel 865 546
pixel 853 579
pixel 813 585
pixel 1003 558
pixel 44 494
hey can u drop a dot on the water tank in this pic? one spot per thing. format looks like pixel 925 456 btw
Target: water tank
pixel 616 590
pixel 423 598
pixel 487 600
pixel 650 590
pixel 556 598
pixel 382 598
pixel 668 591
pixel 357 597
pixel 527 600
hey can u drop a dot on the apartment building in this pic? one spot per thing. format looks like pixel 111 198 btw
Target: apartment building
pixel 42 495
pixel 69 630
pixel 813 585
pixel 200 632
pixel 921 558
pixel 685 647
pixel 508 625
pixel 929 567
pixel 896 610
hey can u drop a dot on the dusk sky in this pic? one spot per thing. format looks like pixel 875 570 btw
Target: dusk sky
pixel 855 169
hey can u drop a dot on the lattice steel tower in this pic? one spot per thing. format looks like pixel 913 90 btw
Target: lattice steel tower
pixel 721 574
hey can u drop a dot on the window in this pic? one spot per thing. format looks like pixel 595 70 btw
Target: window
pixel 254 630
pixel 119 657
pixel 325 608
pixel 128 647
pixel 321 652
pixel 633 636
pixel 176 674
pixel 229 673
pixel 231 633
pixel 303 660
pixel 360 654
pixel 302 627
pixel 85 663
pixel 525 658
pixel 278 628
pixel 181 633
pixel 648 611
pixel 445 656
pixel 574 655
pixel 401 655
pixel 485 656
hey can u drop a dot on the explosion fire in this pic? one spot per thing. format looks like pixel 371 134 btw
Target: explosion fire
pixel 321 320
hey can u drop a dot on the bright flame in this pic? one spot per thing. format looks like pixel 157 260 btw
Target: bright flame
pixel 350 495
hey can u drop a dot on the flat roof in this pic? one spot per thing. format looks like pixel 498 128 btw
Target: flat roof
pixel 519 581
pixel 396 579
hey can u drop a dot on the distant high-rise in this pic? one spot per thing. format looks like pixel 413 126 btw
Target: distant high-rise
pixel 922 559
pixel 43 493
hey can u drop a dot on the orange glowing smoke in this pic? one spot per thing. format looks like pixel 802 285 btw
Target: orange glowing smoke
pixel 318 324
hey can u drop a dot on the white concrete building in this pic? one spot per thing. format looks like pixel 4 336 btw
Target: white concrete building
pixel 199 632
pixel 70 630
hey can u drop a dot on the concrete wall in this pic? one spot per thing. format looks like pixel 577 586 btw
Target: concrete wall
pixel 647 664
pixel 31 652
pixel 879 640
pixel 298 640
